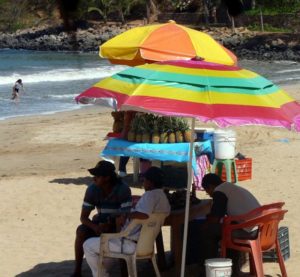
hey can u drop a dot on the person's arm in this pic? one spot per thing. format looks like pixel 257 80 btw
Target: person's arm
pixel 125 206
pixel 97 228
pixel 23 89
pixel 137 215
pixel 219 207
pixel 84 218
pixel 125 199
pixel 144 207
pixel 142 211
pixel 89 204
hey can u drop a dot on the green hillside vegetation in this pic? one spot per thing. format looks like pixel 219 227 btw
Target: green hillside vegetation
pixel 27 13
pixel 20 14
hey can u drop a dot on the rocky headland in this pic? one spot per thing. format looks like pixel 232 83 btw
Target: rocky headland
pixel 244 43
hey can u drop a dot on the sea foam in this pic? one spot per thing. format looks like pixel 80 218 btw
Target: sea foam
pixel 63 74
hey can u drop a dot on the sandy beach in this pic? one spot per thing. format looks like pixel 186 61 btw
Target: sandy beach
pixel 44 161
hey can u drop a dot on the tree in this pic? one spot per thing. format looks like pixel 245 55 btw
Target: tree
pixel 123 7
pixel 103 7
pixel 151 10
pixel 13 13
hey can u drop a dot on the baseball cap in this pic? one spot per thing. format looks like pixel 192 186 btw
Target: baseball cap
pixel 103 168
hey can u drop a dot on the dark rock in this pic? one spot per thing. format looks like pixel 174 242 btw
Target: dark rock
pixel 244 43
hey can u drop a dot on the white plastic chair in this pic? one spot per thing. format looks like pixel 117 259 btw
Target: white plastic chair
pixel 150 228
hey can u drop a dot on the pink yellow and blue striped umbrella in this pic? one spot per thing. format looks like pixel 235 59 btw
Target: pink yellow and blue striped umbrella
pixel 226 95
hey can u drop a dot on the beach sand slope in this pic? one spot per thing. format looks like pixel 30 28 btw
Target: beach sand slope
pixel 44 162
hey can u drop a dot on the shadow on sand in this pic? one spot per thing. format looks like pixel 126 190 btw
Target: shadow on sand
pixel 145 269
pixel 57 269
pixel 89 180
pixel 73 181
pixel 65 269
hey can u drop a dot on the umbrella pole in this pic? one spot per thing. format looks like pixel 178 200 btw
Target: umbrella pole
pixel 187 201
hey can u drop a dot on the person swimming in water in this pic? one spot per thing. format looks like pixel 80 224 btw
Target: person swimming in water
pixel 17 88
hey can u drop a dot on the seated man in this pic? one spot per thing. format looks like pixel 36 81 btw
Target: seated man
pixel 228 199
pixel 153 200
pixel 110 197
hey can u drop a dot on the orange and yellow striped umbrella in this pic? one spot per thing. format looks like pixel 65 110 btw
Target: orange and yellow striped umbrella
pixel 162 42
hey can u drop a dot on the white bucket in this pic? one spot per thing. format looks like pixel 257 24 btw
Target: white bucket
pixel 224 144
pixel 218 267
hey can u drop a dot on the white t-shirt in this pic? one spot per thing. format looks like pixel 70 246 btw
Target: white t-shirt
pixel 18 87
pixel 152 201
pixel 239 200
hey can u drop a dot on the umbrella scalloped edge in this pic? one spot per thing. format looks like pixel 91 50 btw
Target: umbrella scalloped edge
pixel 228 121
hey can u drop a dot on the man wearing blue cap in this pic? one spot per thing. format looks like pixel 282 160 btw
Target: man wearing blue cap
pixel 110 196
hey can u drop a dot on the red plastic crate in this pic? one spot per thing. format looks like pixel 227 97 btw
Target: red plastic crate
pixel 243 168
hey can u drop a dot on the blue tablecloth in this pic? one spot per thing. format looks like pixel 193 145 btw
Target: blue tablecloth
pixel 178 152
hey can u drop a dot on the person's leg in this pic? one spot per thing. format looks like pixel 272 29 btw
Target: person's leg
pixel 14 95
pixel 91 250
pixel 239 258
pixel 210 237
pixel 122 165
pixel 82 234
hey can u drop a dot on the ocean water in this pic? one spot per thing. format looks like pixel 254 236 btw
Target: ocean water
pixel 52 79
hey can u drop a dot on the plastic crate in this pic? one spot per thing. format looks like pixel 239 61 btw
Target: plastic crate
pixel 283 237
pixel 243 168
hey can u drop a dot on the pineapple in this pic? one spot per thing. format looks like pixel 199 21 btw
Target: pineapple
pixel 186 131
pixel 178 129
pixel 138 137
pixel 163 137
pixel 145 128
pixel 139 129
pixel 171 137
pixel 117 126
pixel 118 121
pixel 155 134
pixel 131 136
pixel 162 128
pixel 171 133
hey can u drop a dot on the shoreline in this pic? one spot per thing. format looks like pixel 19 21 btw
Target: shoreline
pixel 292 89
pixel 38 114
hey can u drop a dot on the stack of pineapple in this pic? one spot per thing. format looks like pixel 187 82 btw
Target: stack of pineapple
pixel 149 128
pixel 118 121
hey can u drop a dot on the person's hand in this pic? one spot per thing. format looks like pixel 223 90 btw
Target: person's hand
pixel 101 228
pixel 97 229
pixel 120 221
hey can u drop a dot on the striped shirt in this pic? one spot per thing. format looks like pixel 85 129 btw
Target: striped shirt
pixel 118 201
